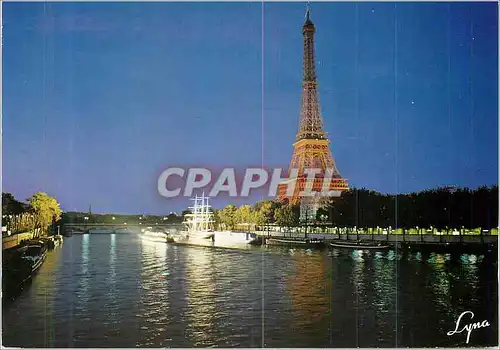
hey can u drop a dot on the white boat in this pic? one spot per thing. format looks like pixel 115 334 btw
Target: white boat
pixel 230 237
pixel 200 228
pixel 199 223
pixel 156 236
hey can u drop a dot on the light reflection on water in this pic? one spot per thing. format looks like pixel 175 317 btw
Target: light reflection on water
pixel 439 281
pixel 111 305
pixel 384 271
pixel 302 293
pixel 154 299
pixel 84 279
pixel 201 285
pixel 121 291
pixel 45 285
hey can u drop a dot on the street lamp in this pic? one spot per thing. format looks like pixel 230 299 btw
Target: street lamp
pixel 307 220
pixel 324 218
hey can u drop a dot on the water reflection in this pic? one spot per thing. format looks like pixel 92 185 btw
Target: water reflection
pixel 154 297
pixel 45 286
pixel 308 288
pixel 357 276
pixel 384 286
pixel 439 280
pixel 154 252
pixel 469 273
pixel 84 279
pixel 391 255
pixel 111 305
pixel 358 282
pixel 201 301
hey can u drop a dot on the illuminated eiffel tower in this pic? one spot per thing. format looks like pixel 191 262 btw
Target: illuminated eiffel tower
pixel 311 149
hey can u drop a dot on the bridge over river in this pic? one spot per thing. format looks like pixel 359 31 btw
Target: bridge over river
pixel 112 228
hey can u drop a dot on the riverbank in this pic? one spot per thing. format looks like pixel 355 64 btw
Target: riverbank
pixel 424 242
pixel 21 263
pixel 15 240
pixel 438 242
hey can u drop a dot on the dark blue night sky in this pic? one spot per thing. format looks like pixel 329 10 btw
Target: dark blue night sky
pixel 99 98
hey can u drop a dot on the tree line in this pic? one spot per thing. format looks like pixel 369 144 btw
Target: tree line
pixel 38 214
pixel 444 207
pixel 261 213
pixel 441 208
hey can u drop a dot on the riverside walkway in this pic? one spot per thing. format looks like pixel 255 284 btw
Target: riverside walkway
pixel 397 238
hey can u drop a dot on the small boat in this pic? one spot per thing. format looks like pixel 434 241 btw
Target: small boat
pixel 157 236
pixel 305 243
pixel 359 245
pixel 15 275
pixel 230 237
pixel 257 240
pixel 35 254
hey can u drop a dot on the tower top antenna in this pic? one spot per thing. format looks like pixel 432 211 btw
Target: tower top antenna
pixel 308 17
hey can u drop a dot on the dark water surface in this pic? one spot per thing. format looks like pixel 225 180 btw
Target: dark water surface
pixel 117 290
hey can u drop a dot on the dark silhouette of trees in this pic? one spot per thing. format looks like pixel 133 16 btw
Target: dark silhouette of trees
pixel 444 207
pixel 11 206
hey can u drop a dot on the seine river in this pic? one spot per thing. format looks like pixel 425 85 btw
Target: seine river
pixel 116 290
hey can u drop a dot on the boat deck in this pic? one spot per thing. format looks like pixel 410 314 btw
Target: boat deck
pixel 359 245
pixel 295 242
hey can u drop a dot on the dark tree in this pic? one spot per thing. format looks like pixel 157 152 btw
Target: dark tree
pixel 442 208
pixel 11 206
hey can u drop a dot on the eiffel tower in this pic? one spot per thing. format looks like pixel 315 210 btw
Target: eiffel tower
pixel 311 149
